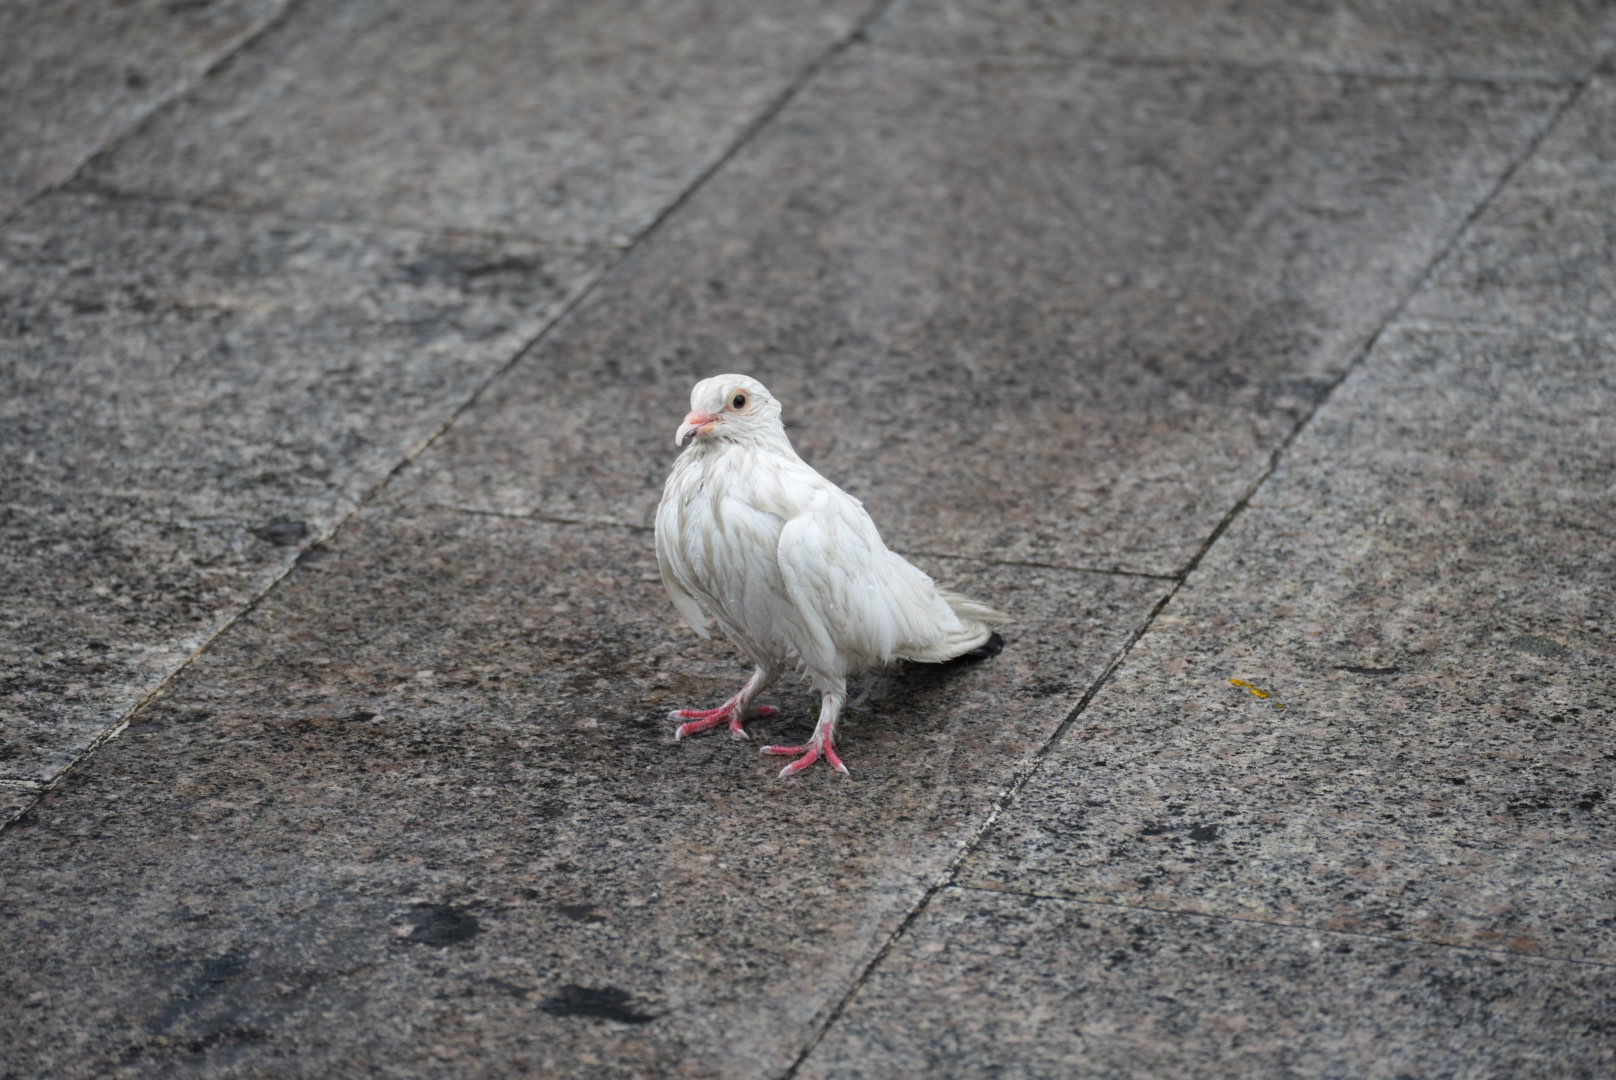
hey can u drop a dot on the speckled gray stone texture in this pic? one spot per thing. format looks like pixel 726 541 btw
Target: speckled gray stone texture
pixel 571 122
pixel 14 801
pixel 1543 255
pixel 186 398
pixel 421 809
pixel 988 985
pixel 1426 590
pixel 1058 313
pixel 1449 38
pixel 75 75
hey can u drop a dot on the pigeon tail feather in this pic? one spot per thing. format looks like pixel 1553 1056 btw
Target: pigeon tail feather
pixel 977 621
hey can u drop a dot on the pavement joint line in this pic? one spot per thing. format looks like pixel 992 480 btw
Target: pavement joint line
pixel 143 121
pixel 559 519
pixel 1020 780
pixel 1033 564
pixel 1220 916
pixel 369 226
pixel 1592 330
pixel 1053 58
pixel 521 515
pixel 750 131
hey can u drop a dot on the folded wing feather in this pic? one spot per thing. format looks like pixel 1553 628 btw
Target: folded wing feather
pixel 860 603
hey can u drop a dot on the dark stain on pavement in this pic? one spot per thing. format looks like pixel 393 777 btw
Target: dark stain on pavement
pixel 442 924
pixel 584 913
pixel 606 1003
pixel 282 531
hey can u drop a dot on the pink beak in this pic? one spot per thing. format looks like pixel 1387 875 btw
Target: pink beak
pixel 696 423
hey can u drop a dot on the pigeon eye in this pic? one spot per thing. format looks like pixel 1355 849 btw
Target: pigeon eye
pixel 739 402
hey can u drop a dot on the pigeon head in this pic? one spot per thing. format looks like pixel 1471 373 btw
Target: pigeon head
pixel 736 408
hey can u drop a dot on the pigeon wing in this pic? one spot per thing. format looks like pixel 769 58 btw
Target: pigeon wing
pixel 857 603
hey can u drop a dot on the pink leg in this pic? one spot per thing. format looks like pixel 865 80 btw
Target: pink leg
pixel 821 744
pixel 733 712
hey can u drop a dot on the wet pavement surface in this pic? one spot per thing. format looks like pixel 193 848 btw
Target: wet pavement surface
pixel 1256 357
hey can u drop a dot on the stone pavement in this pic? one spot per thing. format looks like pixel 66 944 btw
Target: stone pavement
pixel 341 349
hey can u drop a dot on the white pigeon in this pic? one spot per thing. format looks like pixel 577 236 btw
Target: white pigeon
pixel 791 568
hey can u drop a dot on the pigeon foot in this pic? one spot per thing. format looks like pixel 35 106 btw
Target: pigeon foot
pixel 810 753
pixel 822 743
pixel 727 713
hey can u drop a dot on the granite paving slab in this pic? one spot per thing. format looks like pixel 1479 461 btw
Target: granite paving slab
pixel 74 76
pixel 187 399
pixel 570 122
pixel 993 985
pixel 1059 313
pixel 1439 38
pixel 1425 590
pixel 1543 255
pixel 419 813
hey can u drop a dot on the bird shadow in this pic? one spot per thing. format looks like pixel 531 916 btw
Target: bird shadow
pixel 908 697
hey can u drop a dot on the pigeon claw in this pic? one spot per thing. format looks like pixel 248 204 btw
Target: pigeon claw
pixel 727 713
pixel 810 753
